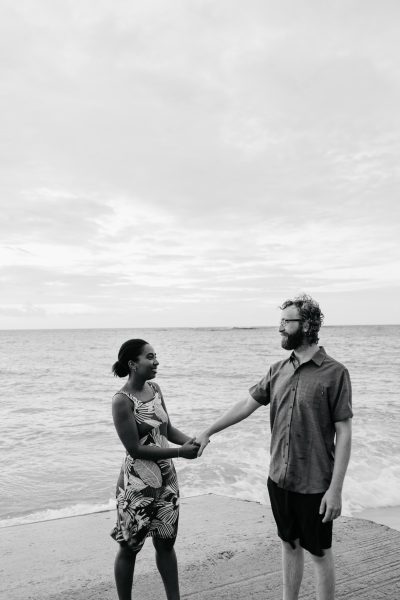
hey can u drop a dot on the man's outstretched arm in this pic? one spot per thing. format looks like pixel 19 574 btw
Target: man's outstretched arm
pixel 239 411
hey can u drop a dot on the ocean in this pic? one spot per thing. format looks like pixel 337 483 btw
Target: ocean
pixel 59 452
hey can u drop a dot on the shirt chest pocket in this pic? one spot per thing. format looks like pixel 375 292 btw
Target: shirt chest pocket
pixel 310 394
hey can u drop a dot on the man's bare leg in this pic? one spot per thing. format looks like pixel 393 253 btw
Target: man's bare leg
pixel 325 575
pixel 293 566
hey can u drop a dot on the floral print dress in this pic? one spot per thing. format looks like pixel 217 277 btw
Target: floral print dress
pixel 147 491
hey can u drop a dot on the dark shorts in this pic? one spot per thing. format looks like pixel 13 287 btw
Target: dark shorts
pixel 297 517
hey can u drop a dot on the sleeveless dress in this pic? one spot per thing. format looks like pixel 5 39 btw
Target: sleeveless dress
pixel 147 491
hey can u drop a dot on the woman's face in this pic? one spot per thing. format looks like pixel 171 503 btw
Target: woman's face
pixel 147 363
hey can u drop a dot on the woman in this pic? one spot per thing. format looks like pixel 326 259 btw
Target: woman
pixel 147 488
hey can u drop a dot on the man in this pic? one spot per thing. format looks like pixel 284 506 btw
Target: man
pixel 309 395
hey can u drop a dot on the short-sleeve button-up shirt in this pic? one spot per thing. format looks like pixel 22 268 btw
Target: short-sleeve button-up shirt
pixel 305 402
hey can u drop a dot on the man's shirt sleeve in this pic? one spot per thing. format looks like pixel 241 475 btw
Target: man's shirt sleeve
pixel 341 406
pixel 261 391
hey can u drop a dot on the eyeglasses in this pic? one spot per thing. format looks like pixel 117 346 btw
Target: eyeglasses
pixel 284 322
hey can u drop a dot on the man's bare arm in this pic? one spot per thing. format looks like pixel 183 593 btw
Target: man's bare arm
pixel 331 503
pixel 239 411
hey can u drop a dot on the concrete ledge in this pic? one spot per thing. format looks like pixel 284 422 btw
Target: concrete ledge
pixel 227 550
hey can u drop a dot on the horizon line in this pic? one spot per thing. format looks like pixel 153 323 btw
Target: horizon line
pixel 189 327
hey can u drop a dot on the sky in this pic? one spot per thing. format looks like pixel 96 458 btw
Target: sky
pixel 194 163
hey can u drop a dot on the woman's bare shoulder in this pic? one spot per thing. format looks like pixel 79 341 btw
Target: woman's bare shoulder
pixel 122 399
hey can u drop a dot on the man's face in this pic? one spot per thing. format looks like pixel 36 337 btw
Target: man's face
pixel 291 329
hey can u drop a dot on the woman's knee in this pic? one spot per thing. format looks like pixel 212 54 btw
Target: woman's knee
pixel 125 552
pixel 162 546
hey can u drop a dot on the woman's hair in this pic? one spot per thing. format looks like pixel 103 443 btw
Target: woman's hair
pixel 309 311
pixel 129 350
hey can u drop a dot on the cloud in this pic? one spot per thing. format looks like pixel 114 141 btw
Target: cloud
pixel 52 216
pixel 185 100
pixel 197 153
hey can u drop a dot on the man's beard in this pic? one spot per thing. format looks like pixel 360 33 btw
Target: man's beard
pixel 291 341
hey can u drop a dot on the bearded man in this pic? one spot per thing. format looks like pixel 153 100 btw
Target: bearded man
pixel 309 395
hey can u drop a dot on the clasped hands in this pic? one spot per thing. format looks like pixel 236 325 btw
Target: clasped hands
pixel 194 447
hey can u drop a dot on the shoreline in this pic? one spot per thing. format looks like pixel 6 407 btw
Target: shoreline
pixel 382 515
pixel 387 515
pixel 227 550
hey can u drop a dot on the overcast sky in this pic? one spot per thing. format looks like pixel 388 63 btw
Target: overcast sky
pixel 194 162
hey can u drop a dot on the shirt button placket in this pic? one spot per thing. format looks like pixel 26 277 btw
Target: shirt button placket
pixel 286 451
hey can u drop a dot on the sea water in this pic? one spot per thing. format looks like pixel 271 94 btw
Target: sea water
pixel 60 454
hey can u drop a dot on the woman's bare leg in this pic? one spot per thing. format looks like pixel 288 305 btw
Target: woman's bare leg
pixel 124 567
pixel 167 566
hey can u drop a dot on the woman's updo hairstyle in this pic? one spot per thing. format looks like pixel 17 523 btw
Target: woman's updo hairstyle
pixel 129 350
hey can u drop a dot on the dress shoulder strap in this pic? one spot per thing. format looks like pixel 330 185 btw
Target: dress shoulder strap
pixel 132 398
pixel 154 387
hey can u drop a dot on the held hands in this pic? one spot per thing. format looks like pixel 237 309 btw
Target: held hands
pixel 331 505
pixel 194 447
pixel 189 449
pixel 203 439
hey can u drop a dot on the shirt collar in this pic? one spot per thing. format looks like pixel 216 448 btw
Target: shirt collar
pixel 318 358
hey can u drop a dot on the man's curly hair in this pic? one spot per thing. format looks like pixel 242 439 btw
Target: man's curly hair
pixel 309 311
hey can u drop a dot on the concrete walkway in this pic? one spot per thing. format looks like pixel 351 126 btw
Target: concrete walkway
pixel 227 550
